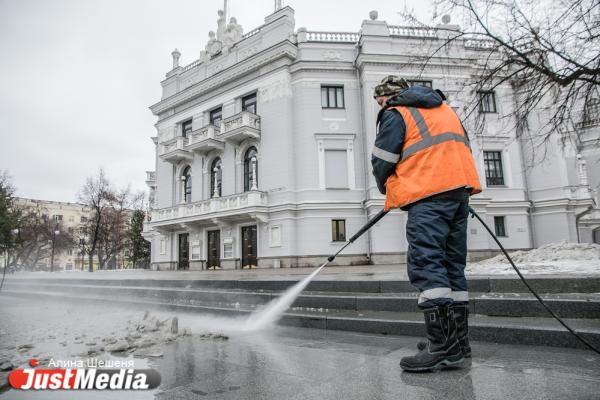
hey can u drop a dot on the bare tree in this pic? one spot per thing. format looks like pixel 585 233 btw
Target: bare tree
pixel 36 237
pixel 26 232
pixel 113 232
pixel 105 232
pixel 97 194
pixel 549 51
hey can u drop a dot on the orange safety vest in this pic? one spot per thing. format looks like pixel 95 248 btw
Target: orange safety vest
pixel 436 157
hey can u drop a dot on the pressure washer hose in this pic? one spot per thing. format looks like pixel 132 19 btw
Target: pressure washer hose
pixel 382 213
pixel 581 339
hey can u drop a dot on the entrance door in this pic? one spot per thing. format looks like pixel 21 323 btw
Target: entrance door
pixel 249 246
pixel 214 249
pixel 184 251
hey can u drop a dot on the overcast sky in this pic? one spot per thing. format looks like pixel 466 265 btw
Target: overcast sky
pixel 77 77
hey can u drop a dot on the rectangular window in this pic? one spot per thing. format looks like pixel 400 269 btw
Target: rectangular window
pixel 83 219
pixel 196 246
pixel 499 226
pixel 494 175
pixel 487 102
pixel 216 116
pixel 420 83
pixel 186 128
pixel 69 252
pixel 338 230
pixel 58 218
pixel 275 236
pixel 591 113
pixel 71 219
pixel 332 96
pixel 336 169
pixel 227 249
pixel 249 103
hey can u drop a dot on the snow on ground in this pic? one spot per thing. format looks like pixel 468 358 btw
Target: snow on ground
pixel 555 258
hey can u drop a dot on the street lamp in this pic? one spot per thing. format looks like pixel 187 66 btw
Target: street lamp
pixel 55 233
pixel 81 251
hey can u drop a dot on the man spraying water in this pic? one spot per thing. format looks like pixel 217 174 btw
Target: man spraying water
pixel 422 162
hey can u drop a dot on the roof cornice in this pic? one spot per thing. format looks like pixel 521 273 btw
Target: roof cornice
pixel 281 50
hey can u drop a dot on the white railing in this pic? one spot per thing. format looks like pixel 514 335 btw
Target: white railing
pixel 340 37
pixel 177 144
pixel 240 120
pixel 150 176
pixel 412 31
pixel 211 206
pixel 479 44
pixel 206 132
pixel 192 65
pixel 251 33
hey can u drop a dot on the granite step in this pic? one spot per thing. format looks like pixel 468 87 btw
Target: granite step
pixel 567 305
pixel 541 331
pixel 501 284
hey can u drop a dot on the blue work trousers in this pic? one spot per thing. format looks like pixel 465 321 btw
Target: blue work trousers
pixel 437 251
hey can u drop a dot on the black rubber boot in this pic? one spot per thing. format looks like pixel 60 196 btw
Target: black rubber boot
pixel 461 315
pixel 442 349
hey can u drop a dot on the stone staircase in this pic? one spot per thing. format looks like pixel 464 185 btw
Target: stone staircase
pixel 502 310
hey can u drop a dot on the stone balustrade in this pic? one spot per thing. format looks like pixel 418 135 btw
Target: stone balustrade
pixel 412 31
pixel 204 133
pixel 339 37
pixel 239 127
pixel 211 207
pixel 174 150
pixel 479 44
pixel 150 176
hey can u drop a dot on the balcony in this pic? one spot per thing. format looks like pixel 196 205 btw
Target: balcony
pixel 174 151
pixel 204 140
pixel 238 206
pixel 239 127
pixel 151 179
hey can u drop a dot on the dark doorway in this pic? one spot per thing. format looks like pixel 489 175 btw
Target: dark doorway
pixel 214 249
pixel 184 251
pixel 249 246
pixel 596 235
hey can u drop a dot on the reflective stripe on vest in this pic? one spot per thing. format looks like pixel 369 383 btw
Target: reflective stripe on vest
pixel 426 139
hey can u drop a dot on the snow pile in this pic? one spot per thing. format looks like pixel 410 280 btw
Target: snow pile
pixel 554 258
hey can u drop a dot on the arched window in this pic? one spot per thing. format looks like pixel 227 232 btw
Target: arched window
pixel 186 177
pixel 215 178
pixel 251 169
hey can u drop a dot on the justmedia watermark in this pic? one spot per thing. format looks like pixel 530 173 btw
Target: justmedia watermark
pixel 90 374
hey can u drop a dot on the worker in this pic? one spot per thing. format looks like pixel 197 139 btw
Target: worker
pixel 423 164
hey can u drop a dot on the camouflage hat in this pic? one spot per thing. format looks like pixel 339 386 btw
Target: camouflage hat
pixel 389 85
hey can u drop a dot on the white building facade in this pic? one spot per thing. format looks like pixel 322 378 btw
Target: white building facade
pixel 263 151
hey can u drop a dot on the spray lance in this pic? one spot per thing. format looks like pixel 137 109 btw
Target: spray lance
pixel 382 213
